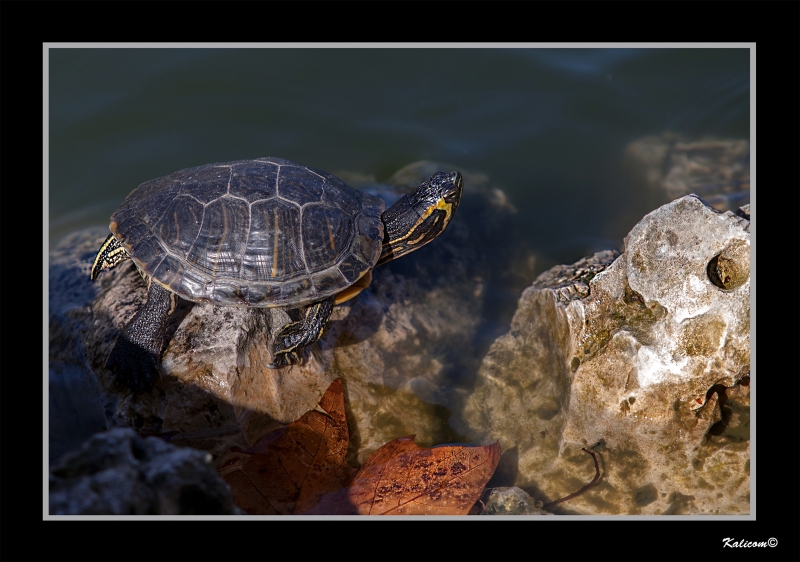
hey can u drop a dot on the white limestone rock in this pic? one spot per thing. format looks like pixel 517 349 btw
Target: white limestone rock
pixel 645 361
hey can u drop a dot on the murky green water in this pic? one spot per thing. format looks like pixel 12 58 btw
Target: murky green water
pixel 548 126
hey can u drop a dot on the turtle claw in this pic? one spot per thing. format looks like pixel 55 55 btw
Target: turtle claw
pixel 135 368
pixel 283 359
pixel 301 333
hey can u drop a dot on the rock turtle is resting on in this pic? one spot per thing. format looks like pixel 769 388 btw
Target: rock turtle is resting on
pixel 260 233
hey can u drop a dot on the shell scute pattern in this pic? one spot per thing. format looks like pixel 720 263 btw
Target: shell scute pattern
pixel 254 181
pixel 265 232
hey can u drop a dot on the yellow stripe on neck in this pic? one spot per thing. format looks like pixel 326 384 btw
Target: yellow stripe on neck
pixel 441 205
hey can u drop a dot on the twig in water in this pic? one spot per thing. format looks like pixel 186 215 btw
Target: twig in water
pixel 582 490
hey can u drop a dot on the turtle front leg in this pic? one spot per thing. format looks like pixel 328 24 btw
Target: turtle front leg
pixel 136 357
pixel 301 333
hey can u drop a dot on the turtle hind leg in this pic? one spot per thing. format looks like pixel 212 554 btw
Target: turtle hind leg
pixel 136 357
pixel 301 333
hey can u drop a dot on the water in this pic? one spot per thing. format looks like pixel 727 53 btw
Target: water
pixel 548 126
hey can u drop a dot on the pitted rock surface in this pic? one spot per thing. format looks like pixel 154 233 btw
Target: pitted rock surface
pixel 648 368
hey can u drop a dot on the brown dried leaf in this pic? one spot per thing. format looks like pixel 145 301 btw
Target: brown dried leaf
pixel 401 478
pixel 288 470
pixel 301 469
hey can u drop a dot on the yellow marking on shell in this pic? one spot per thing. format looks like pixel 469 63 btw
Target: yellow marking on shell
pixel 177 226
pixel 351 291
pixel 442 205
pixel 330 235
pixel 225 227
pixel 275 231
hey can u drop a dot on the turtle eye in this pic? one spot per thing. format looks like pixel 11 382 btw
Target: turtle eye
pixel 453 195
pixel 456 178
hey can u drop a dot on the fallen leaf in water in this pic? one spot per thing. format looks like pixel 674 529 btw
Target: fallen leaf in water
pixel 402 478
pixel 288 470
pixel 301 469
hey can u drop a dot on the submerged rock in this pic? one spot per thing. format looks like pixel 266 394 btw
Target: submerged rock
pixel 510 501
pixel 718 170
pixel 637 356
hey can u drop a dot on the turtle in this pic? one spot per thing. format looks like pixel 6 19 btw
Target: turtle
pixel 258 233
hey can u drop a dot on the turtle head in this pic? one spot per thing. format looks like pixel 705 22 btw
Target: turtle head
pixel 420 216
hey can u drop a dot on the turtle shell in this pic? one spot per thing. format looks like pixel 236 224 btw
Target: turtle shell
pixel 265 233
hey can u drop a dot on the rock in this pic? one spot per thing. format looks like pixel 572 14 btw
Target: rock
pixel 75 410
pixel 119 473
pixel 643 357
pixel 76 403
pixel 510 501
pixel 416 329
pixel 718 170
